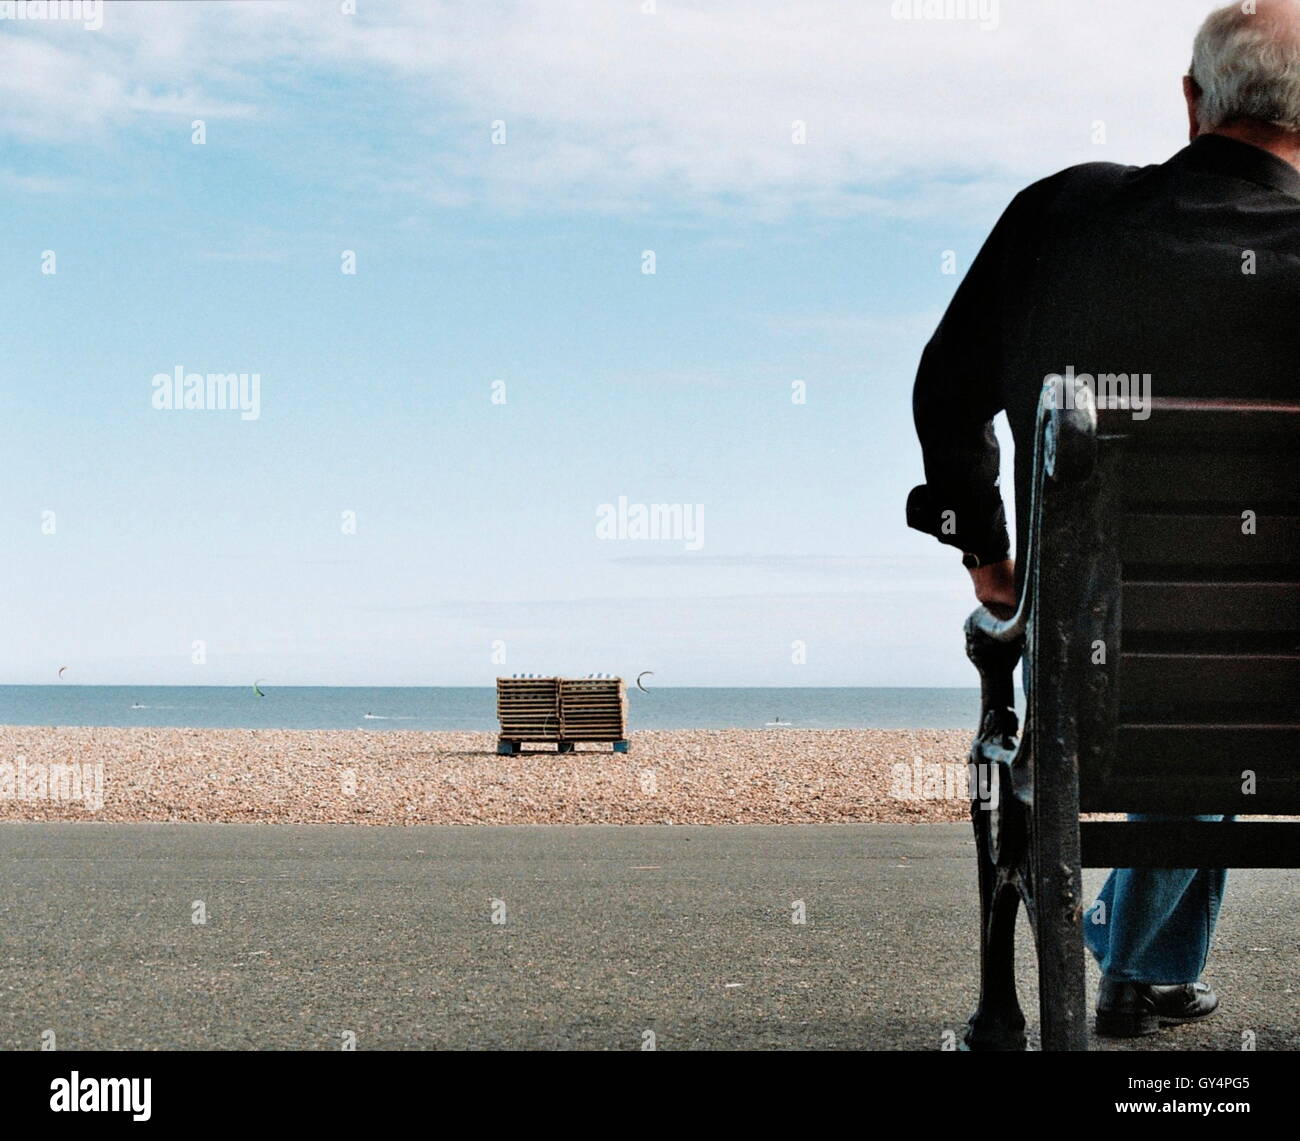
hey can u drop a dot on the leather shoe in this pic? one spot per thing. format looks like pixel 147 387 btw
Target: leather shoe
pixel 1132 1010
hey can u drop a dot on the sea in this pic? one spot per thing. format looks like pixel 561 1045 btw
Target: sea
pixel 463 708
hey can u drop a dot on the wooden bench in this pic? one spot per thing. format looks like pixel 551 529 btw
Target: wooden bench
pixel 1159 621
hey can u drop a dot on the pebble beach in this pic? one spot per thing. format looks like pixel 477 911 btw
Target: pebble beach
pixel 385 778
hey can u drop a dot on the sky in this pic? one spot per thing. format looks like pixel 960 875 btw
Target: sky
pixel 427 491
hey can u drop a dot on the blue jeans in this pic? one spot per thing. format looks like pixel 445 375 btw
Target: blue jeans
pixel 1154 925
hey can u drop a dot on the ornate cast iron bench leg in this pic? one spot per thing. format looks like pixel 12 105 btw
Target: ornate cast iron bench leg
pixel 997 1023
pixel 1057 896
pixel 1055 874
pixel 1027 834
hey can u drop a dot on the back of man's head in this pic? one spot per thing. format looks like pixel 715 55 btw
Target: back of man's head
pixel 1246 65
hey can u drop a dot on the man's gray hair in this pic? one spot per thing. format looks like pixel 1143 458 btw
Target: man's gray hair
pixel 1247 64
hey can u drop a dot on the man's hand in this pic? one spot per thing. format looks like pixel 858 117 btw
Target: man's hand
pixel 995 586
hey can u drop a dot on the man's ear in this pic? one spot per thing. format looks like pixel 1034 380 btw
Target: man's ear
pixel 1192 93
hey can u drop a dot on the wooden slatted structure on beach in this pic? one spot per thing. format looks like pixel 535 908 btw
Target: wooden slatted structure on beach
pixel 529 708
pixel 562 710
pixel 593 709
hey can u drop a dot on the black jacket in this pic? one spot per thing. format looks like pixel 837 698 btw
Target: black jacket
pixel 1188 271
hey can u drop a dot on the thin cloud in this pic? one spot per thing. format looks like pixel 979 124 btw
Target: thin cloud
pixel 610 109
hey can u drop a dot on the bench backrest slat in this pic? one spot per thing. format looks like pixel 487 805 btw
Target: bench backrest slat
pixel 1204 536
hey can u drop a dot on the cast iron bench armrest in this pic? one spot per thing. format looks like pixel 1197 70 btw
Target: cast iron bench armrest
pixel 1064 452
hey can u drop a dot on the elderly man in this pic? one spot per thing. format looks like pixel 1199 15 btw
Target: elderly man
pixel 1188 271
